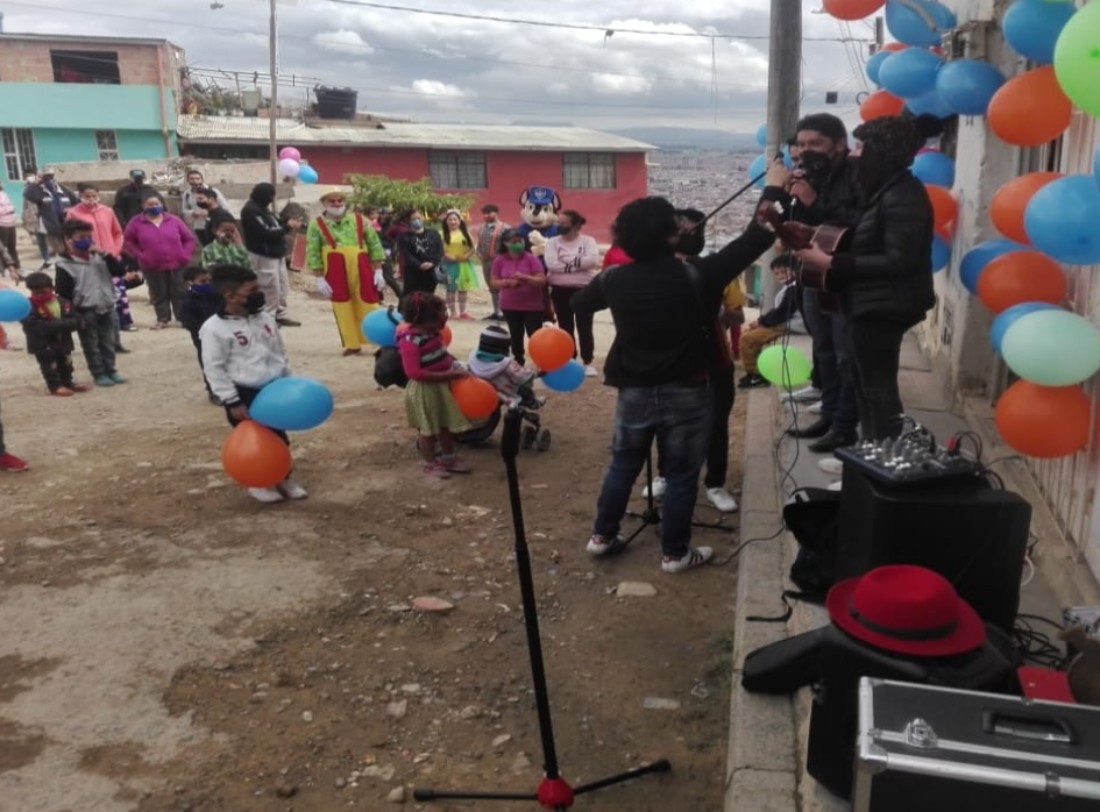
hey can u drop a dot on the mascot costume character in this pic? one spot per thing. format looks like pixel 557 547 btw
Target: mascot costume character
pixel 539 213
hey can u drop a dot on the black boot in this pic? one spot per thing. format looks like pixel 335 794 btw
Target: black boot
pixel 832 441
pixel 817 429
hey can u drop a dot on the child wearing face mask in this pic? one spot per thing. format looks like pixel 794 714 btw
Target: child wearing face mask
pixel 85 276
pixel 521 280
pixel 226 248
pixel 200 303
pixel 242 352
pixel 49 329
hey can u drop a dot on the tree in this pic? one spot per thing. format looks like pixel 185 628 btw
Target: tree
pixel 401 195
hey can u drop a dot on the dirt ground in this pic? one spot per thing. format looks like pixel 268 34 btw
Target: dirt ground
pixel 168 644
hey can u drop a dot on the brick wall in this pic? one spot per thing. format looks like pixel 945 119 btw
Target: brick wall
pixel 29 60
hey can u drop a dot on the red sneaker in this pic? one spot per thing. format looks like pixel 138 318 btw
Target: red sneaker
pixel 62 392
pixel 80 387
pixel 10 462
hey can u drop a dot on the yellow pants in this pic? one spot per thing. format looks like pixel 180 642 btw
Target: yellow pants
pixel 753 343
pixel 349 316
pixel 353 295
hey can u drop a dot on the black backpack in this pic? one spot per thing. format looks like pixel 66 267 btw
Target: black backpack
pixel 813 517
pixel 388 369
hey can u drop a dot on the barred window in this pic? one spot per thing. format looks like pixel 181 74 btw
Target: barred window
pixel 457 170
pixel 19 159
pixel 106 145
pixel 588 170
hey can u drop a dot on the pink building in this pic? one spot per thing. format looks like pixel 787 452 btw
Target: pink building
pixel 593 172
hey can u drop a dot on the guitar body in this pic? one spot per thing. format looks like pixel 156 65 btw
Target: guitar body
pixel 796 236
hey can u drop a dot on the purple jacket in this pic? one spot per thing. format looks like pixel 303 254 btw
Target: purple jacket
pixel 167 247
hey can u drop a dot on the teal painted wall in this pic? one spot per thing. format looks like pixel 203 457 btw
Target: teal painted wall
pixel 96 107
pixel 57 146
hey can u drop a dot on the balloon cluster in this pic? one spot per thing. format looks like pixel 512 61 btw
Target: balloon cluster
pixel 253 454
pixel 291 165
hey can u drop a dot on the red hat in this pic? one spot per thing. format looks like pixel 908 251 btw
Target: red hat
pixel 906 609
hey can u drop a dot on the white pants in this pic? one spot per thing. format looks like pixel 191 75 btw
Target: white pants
pixel 274 280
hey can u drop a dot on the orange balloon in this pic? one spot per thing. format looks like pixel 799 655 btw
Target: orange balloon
pixel 550 348
pixel 1031 109
pixel 894 46
pixel 881 104
pixel 1021 276
pixel 255 456
pixel 1044 421
pixel 447 335
pixel 1007 208
pixel 476 399
pixel 944 207
pixel 852 9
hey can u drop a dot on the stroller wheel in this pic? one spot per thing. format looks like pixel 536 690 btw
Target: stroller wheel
pixel 530 434
pixel 543 441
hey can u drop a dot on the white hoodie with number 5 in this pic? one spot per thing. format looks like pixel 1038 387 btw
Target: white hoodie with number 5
pixel 241 351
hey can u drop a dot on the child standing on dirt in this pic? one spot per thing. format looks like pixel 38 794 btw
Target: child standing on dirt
pixel 429 405
pixel 242 352
pixel 49 329
pixel 200 303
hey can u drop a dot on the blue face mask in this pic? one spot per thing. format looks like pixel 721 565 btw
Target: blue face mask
pixel 83 244
pixel 416 224
pixel 203 288
pixel 153 211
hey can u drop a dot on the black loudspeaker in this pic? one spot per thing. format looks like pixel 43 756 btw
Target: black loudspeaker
pixel 971 534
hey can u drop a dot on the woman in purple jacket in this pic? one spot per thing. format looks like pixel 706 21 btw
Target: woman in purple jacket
pixel 162 245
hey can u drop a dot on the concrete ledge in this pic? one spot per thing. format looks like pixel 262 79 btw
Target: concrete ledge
pixel 761 791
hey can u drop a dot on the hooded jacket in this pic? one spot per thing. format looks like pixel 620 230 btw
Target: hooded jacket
pixel 241 351
pixel 263 233
pixel 106 230
pixel 52 200
pixel 88 282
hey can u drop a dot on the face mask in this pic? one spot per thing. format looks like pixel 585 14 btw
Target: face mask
pixel 154 211
pixel 336 211
pixel 816 165
pixel 91 204
pixel 563 230
pixel 203 288
pixel 225 238
pixel 515 248
pixel 416 224
pixel 203 205
pixel 82 245
pixel 255 302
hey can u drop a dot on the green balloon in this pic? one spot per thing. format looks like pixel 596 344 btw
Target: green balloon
pixel 1077 59
pixel 1052 348
pixel 784 366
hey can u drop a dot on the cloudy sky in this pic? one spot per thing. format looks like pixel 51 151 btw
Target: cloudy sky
pixel 446 68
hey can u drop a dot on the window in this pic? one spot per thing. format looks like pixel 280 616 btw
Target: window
pixel 457 170
pixel 19 159
pixel 87 67
pixel 107 145
pixel 588 170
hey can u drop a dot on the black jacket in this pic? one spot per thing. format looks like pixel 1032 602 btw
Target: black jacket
pixel 128 201
pixel 785 310
pixel 663 320
pixel 43 199
pixel 195 309
pixel 838 198
pixel 49 336
pixel 263 233
pixel 886 271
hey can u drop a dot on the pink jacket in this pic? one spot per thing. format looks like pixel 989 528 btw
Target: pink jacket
pixel 106 231
pixel 167 247
pixel 8 216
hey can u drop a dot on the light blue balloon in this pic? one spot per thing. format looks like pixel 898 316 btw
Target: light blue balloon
pixel 1052 348
pixel 941 253
pixel 975 260
pixel 930 104
pixel 762 136
pixel 566 378
pixel 293 403
pixel 912 28
pixel 910 73
pixel 1063 220
pixel 380 326
pixel 967 85
pixel 758 166
pixel 874 65
pixel 1006 318
pixel 307 174
pixel 934 167
pixel 1032 27
pixel 14 306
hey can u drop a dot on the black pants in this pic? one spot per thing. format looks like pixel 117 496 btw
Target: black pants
pixel 165 293
pixel 98 339
pixel 832 363
pixel 520 322
pixel 874 346
pixel 3 448
pixel 202 369
pixel 247 395
pixel 722 394
pixel 57 369
pixel 418 280
pixel 391 279
pixel 580 323
pixel 8 240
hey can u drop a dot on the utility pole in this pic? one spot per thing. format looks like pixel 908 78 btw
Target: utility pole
pixel 273 48
pixel 784 96
pixel 880 34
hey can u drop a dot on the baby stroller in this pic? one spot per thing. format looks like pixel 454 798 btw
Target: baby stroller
pixel 532 435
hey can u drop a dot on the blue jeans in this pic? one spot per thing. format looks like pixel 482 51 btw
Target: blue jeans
pixel 679 417
pixel 832 362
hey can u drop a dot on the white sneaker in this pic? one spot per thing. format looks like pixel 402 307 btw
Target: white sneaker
pixel 266 495
pixel 831 465
pixel 836 486
pixel 814 408
pixel 291 489
pixel 722 500
pixel 807 394
pixel 590 371
pixel 695 557
pixel 602 545
pixel 659 487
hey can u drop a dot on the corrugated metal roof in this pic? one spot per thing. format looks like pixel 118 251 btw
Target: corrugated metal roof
pixel 223 129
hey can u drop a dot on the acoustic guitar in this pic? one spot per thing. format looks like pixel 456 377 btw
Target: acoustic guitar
pixel 796 236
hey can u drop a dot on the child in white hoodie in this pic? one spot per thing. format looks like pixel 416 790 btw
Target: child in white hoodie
pixel 242 352
pixel 491 362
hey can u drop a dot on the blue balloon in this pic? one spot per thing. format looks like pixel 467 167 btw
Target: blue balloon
pixel 910 73
pixel 874 64
pixel 307 174
pixel 929 104
pixel 967 85
pixel 1006 318
pixel 758 166
pixel 913 28
pixel 1032 28
pixel 762 135
pixel 1096 164
pixel 14 306
pixel 1061 220
pixel 565 378
pixel 293 403
pixel 941 253
pixel 380 326
pixel 934 167
pixel 975 260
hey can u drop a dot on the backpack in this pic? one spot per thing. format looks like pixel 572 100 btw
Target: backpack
pixel 813 517
pixel 388 369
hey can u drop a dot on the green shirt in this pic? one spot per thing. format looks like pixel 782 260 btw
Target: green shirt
pixel 345 233
pixel 218 253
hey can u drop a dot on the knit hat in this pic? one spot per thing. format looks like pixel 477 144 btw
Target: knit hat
pixel 896 139
pixel 495 340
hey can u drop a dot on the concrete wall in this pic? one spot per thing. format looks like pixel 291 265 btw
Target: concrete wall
pixel 29 60
pixel 93 107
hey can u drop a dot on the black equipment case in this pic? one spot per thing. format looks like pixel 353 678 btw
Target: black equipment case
pixel 922 748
